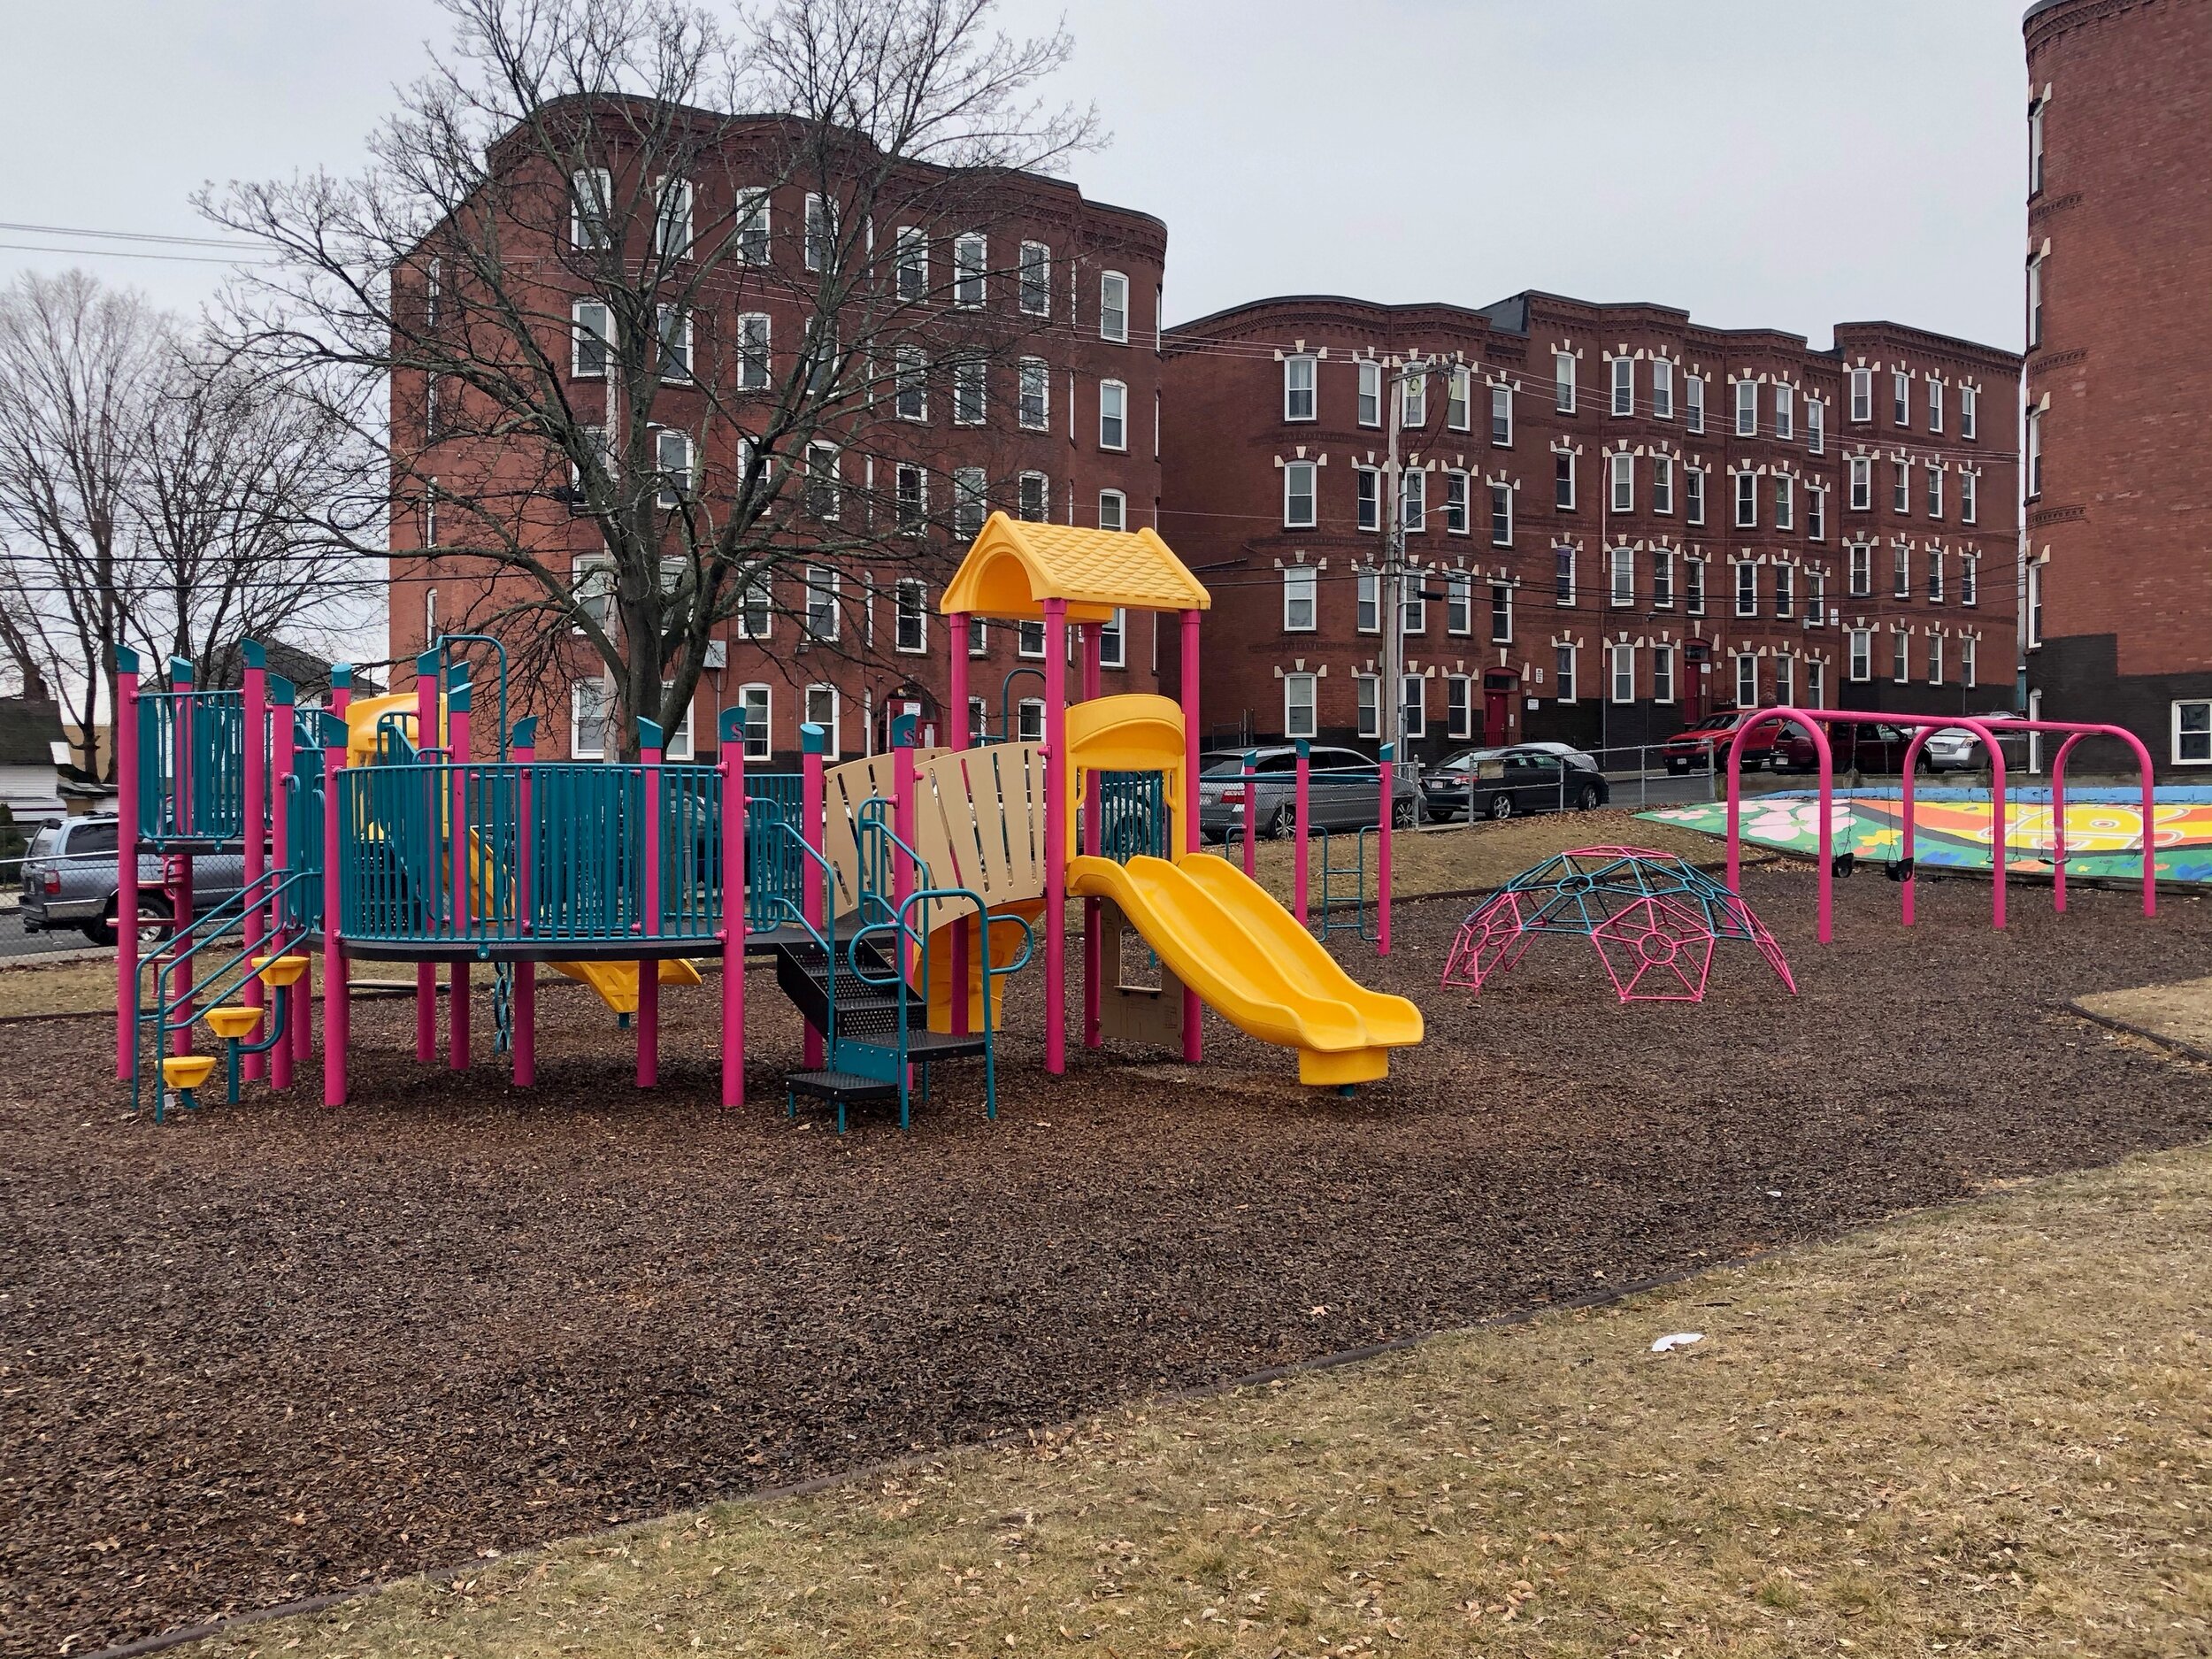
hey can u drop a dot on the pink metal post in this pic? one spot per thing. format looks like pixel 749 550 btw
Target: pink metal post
pixel 458 993
pixel 289 1048
pixel 253 827
pixel 813 807
pixel 1251 812
pixel 337 1021
pixel 649 972
pixel 525 751
pixel 1093 840
pixel 731 763
pixel 957 696
pixel 1298 847
pixel 1056 835
pixel 303 992
pixel 188 824
pixel 1192 1011
pixel 2078 730
pixel 1382 852
pixel 127 814
pixel 2058 821
pixel 427 736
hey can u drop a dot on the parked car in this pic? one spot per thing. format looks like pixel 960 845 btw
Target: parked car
pixel 1498 783
pixel 1956 750
pixel 1343 791
pixel 1700 745
pixel 1854 749
pixel 71 880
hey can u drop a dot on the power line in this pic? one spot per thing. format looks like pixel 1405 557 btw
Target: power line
pixel 126 235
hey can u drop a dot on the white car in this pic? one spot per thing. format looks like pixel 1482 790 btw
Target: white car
pixel 1956 748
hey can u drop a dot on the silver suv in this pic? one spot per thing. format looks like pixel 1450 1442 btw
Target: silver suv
pixel 70 881
pixel 1343 791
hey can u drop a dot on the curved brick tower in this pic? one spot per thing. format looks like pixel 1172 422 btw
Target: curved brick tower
pixel 2119 370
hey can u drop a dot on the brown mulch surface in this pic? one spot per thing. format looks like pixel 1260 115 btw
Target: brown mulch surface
pixel 272 1351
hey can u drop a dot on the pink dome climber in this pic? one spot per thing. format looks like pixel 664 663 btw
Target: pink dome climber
pixel 1652 919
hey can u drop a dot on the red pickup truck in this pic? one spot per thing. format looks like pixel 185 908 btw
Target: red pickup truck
pixel 1702 744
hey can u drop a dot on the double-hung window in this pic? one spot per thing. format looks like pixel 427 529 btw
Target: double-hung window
pixel 1367 484
pixel 671 455
pixel 1563 480
pixel 1784 412
pixel 1816 512
pixel 1562 562
pixel 1298 388
pixel 1747 408
pixel 1817 426
pixel 1621 587
pixel 1662 579
pixel 1367 601
pixel 971 504
pixel 1970 580
pixel 1502 416
pixel 1370 392
pixel 1900 396
pixel 1935 575
pixel 1562 368
pixel 752 351
pixel 1785 502
pixel 1623 469
pixel 1900 656
pixel 1747 500
pixel 1859 565
pixel 1624 386
pixel 1113 415
pixel 1935 404
pixel 910 627
pixel 1033 497
pixel 968 391
pixel 971 260
pixel 2035 301
pixel 751 215
pixel 1501 515
pixel 1413 501
pixel 1662 483
pixel 821 234
pixel 671 219
pixel 1459 604
pixel 1861 654
pixel 821 603
pixel 1033 283
pixel 1862 394
pixel 590 208
pixel 1935 489
pixel 1459 705
pixel 1785 590
pixel 1413 604
pixel 1367 693
pixel 1034 383
pixel 1298 495
pixel 1563 672
pixel 1693 403
pixel 1862 482
pixel 1663 673
pixel 1455 502
pixel 910 399
pixel 1901 494
pixel 1113 307
pixel 1113 509
pixel 1901 571
pixel 1967 482
pixel 1459 396
pixel 1746 681
pixel 1622 658
pixel 909 262
pixel 910 498
pixel 1663 388
pixel 1694 587
pixel 1746 589
pixel 1968 412
pixel 1300 588
pixel 1693 494
pixel 1413 401
pixel 1500 613
pixel 592 339
pixel 1298 719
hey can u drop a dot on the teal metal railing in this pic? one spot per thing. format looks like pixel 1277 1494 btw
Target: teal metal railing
pixel 775 866
pixel 191 765
pixel 1134 820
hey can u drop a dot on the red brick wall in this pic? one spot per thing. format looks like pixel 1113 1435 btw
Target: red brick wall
pixel 2123 523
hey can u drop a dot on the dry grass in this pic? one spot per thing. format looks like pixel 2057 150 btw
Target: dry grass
pixel 1458 857
pixel 60 987
pixel 1982 1429
pixel 2180 1013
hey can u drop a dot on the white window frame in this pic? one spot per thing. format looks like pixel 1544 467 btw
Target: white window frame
pixel 1459 705
pixel 909 262
pixel 1785 589
pixel 755 349
pixel 1367 700
pixel 1563 480
pixel 578 748
pixel 591 208
pixel 1621 468
pixel 1459 604
pixel 1662 685
pixel 829 479
pixel 1302 381
pixel 971 270
pixel 1501 535
pixel 1694 587
pixel 671 217
pixel 1785 502
pixel 1367 601
pixel 1115 505
pixel 1746 580
pixel 1459 399
pixel 1302 510
pixel 1693 494
pixel 1300 707
pixel 673 325
pixel 1563 675
pixel 1969 578
pixel 1563 587
pixel 1029 720
pixel 831 727
pixel 1747 484
pixel 581 329
pixel 1693 403
pixel 1860 656
pixel 1032 395
pixel 822 584
pixel 1817 426
pixel 1747 680
pixel 1967 655
pixel 971 502
pixel 1413 401
pixel 1113 416
pixel 970 392
pixel 1969 503
pixel 1367 498
pixel 1413 701
pixel 1859 570
pixel 757 598
pixel 910 386
pixel 1935 404
pixel 1747 394
pixel 1970 413
pixel 1302 596
pixel 1862 474
pixel 1113 307
pixel 1663 388
pixel 1032 279
pixel 760 739
pixel 1500 590
pixel 1413 501
pixel 1861 395
pixel 1563 365
pixel 1623 376
pixel 910 602
pixel 1456 501
pixel 677 482
pixel 1113 640
pixel 1034 484
pixel 750 213
pixel 818 232
pixel 1900 656
pixel 1620 671
pixel 1620 585
pixel 911 511
pixel 1370 412
pixel 1662 579
pixel 1029 638
pixel 1501 415
pixel 1784 412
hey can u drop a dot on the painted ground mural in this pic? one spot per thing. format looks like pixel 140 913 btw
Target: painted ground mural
pixel 1951 827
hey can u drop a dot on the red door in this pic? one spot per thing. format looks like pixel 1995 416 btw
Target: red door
pixel 1498 721
pixel 1698 669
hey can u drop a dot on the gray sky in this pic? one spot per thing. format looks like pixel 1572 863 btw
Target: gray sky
pixel 1785 163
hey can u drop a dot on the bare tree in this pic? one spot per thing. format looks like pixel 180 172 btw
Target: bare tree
pixel 597 293
pixel 76 369
pixel 238 482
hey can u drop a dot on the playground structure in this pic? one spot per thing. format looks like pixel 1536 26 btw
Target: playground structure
pixel 1815 722
pixel 1648 914
pixel 894 894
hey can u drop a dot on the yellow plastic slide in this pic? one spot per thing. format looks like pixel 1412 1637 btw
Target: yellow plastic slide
pixel 616 981
pixel 1221 934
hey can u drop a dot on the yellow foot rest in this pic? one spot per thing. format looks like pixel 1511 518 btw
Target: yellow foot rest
pixel 231 1023
pixel 187 1071
pixel 280 971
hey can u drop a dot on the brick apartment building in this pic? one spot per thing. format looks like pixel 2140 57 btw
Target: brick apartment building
pixel 2119 370
pixel 1620 519
pixel 1067 430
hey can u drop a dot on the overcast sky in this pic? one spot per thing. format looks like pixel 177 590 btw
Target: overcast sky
pixel 1782 163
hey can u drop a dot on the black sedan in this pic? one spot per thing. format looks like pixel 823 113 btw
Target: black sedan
pixel 1498 783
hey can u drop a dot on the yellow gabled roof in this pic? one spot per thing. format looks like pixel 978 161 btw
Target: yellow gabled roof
pixel 1016 566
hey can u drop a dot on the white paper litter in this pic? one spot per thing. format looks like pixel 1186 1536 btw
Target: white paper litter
pixel 1678 1338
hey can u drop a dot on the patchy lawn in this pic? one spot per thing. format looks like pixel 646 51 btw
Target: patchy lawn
pixel 1982 1428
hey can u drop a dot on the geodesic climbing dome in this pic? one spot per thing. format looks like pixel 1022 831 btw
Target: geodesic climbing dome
pixel 1653 919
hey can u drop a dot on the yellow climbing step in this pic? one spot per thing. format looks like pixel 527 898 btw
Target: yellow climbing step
pixel 231 1023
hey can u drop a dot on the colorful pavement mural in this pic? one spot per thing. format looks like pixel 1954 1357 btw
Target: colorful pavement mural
pixel 1951 828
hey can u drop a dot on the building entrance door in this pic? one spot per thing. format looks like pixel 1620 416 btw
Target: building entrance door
pixel 1501 719
pixel 1697 671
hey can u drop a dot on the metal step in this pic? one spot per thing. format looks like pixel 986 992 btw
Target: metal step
pixel 839 1085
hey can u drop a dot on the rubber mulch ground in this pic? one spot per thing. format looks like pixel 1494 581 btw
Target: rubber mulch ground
pixel 272 1350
